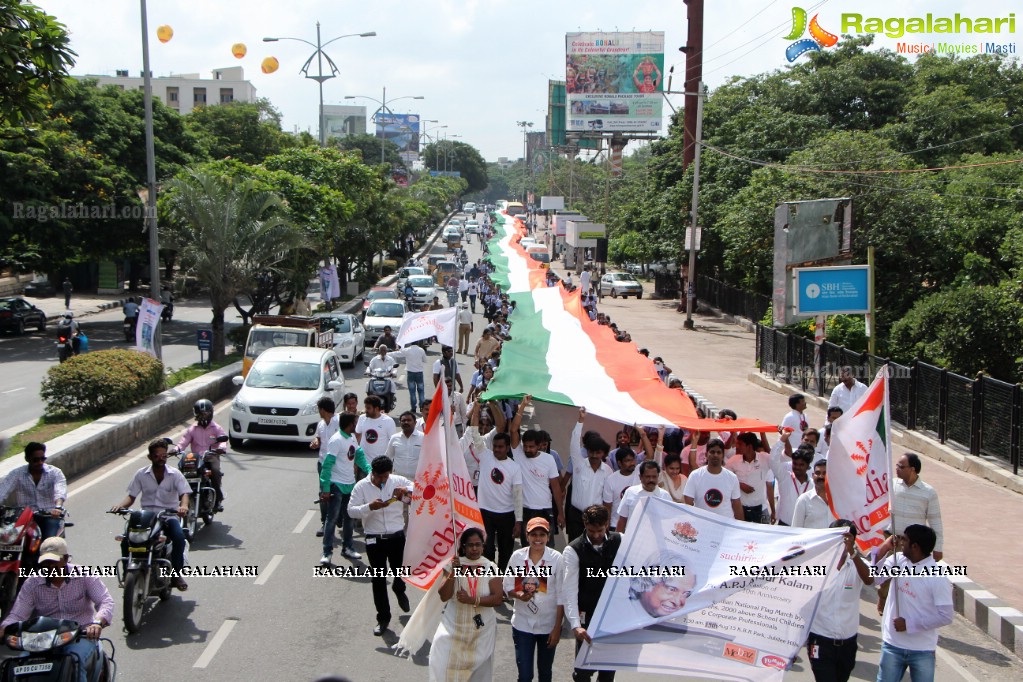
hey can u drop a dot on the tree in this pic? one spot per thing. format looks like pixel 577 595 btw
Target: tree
pixel 457 156
pixel 368 147
pixel 247 131
pixel 228 234
pixel 35 57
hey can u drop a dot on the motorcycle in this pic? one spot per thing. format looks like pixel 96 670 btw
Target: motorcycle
pixel 146 571
pixel 129 328
pixel 20 538
pixel 168 311
pixel 43 640
pixel 382 385
pixel 202 502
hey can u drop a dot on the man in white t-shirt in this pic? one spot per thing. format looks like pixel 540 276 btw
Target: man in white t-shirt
pixel 620 481
pixel 848 391
pixel 403 447
pixel 791 476
pixel 812 509
pixel 756 480
pixel 588 473
pixel 714 488
pixel 374 428
pixel 649 474
pixel 796 419
pixel 500 499
pixel 541 482
pixel 325 429
pixel 909 628
pixel 584 280
pixel 415 360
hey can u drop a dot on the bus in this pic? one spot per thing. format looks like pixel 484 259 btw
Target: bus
pixel 515 208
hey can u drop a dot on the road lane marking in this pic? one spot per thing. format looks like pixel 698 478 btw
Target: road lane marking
pixel 214 646
pixel 952 663
pixel 270 568
pixel 15 390
pixel 107 475
pixel 300 528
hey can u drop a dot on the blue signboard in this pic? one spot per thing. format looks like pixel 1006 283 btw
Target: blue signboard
pixel 204 339
pixel 843 289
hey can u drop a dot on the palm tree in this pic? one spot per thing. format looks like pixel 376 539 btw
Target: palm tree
pixel 228 233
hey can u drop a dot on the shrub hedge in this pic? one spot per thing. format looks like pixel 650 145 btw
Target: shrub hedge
pixel 101 382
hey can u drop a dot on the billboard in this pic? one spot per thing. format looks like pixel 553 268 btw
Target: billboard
pixel 342 121
pixel 401 129
pixel 836 290
pixel 613 81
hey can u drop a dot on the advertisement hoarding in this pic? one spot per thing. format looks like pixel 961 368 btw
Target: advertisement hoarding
pixel 613 81
pixel 401 129
pixel 342 121
pixel 836 290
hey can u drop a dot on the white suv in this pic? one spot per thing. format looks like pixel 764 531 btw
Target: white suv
pixel 278 397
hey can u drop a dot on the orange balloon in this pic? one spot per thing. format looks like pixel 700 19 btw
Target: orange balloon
pixel 164 33
pixel 270 64
pixel 239 50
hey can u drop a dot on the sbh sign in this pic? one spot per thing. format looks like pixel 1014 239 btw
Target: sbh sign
pixel 836 290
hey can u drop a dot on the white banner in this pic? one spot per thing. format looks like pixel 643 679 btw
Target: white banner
pixel 704 595
pixel 145 329
pixel 418 326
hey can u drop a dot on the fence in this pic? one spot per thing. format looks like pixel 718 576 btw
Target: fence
pixel 981 416
pixel 731 300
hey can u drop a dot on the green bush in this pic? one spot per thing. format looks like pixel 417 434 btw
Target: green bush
pixel 390 267
pixel 238 335
pixel 98 383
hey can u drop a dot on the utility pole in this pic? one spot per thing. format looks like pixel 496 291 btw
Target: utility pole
pixel 150 194
pixel 692 130
pixel 691 283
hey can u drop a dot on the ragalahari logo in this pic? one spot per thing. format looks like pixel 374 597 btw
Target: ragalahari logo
pixel 818 36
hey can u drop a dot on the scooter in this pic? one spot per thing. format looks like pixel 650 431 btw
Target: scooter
pixel 43 640
pixel 202 502
pixel 382 385
pixel 168 311
pixel 20 538
pixel 145 571
pixel 129 328
pixel 65 346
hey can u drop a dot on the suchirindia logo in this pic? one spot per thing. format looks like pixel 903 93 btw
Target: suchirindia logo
pixel 818 36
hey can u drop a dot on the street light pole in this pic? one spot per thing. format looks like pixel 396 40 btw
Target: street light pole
pixel 150 219
pixel 320 77
pixel 383 111
pixel 525 151
pixel 691 283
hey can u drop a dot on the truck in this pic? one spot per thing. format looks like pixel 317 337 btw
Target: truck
pixel 270 331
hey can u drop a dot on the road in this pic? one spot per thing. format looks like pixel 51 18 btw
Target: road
pixel 289 625
pixel 27 358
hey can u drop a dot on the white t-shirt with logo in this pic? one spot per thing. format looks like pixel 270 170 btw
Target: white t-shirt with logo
pixel 614 489
pixel 632 495
pixel 537 473
pixel 713 492
pixel 375 434
pixel 497 476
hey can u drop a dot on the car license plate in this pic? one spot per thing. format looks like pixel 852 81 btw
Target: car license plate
pixel 272 421
pixel 33 668
pixel 12 548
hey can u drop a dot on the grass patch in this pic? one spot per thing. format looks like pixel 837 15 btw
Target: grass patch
pixel 46 429
pixel 180 376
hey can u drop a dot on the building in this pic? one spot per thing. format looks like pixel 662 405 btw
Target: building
pixel 184 92
pixel 343 121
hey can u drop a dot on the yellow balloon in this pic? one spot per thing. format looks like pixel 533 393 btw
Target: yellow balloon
pixel 270 64
pixel 239 50
pixel 164 33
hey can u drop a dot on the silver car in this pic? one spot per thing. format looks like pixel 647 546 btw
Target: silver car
pixel 349 335
pixel 424 287
pixel 620 284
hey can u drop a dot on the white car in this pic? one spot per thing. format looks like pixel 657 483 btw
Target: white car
pixel 383 312
pixel 472 226
pixel 469 208
pixel 278 396
pixel 349 335
pixel 424 289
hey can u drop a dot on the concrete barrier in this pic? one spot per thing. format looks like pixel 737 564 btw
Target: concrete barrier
pixel 85 448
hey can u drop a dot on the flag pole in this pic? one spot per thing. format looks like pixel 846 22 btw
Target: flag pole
pixel 445 418
pixel 891 478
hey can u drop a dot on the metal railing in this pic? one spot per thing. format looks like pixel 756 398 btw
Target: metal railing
pixel 731 300
pixel 980 416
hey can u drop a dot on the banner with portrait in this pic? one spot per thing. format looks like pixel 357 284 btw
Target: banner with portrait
pixel 146 338
pixel 693 593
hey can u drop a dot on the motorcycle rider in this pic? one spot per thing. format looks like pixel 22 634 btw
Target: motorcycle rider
pixel 410 292
pixel 38 485
pixel 202 437
pixel 384 362
pixel 131 313
pixel 161 488
pixel 167 299
pixel 69 328
pixel 91 607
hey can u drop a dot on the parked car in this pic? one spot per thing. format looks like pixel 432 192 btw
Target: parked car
pixel 17 315
pixel 40 288
pixel 634 268
pixel 374 294
pixel 425 289
pixel 277 400
pixel 383 312
pixel 620 284
pixel 349 335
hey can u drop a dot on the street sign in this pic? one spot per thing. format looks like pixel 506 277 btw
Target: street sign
pixel 836 290
pixel 689 238
pixel 204 339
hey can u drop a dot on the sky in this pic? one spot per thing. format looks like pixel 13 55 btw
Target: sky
pixel 481 65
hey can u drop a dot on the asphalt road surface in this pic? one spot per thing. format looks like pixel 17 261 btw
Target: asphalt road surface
pixel 25 359
pixel 287 624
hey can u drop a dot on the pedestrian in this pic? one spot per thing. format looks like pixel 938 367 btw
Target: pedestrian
pixel 812 506
pixel 536 611
pixel 541 481
pixel 620 481
pixel 325 430
pixel 464 327
pixel 756 480
pixel 714 488
pixel 587 473
pixel 848 390
pixel 463 646
pixel 649 473
pixel 378 500
pixel 500 499
pixel 915 501
pixel 586 562
pixel 404 447
pixel 672 479
pixel 474 291
pixel 374 428
pixel 463 289
pixel 909 629
pixel 337 480
pixel 792 478
pixel 415 359
pixel 831 645
pixel 795 419
pixel 67 292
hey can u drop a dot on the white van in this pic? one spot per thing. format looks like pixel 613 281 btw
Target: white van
pixel 278 396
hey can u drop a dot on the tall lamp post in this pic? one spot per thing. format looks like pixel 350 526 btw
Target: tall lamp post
pixel 149 196
pixel 320 56
pixel 383 110
pixel 525 153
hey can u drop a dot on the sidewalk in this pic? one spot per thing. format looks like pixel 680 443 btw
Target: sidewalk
pixel 81 304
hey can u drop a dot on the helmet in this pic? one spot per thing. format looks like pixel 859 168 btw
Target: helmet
pixel 203 410
pixel 68 314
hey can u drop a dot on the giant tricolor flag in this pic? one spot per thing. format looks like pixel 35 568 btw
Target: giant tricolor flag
pixel 443 502
pixel 859 463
